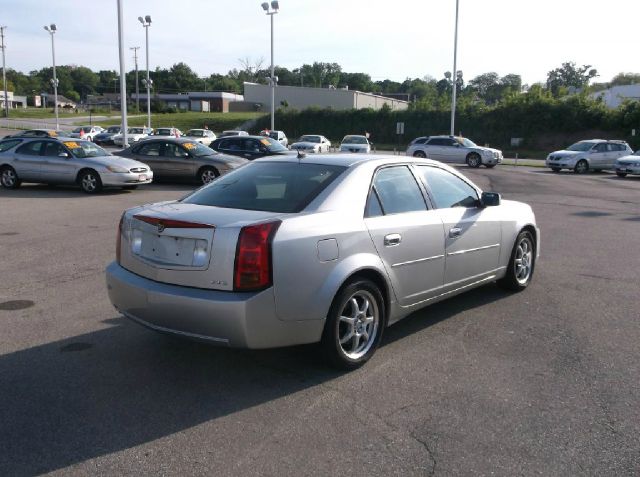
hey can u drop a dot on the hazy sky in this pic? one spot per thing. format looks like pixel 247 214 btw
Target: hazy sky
pixel 386 39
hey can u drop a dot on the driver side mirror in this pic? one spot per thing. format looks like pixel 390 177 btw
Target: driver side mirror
pixel 63 154
pixel 489 199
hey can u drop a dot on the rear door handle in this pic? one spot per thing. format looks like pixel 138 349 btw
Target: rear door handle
pixel 455 232
pixel 392 240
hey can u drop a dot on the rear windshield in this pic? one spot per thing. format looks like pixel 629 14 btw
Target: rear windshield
pixel 268 186
pixel 354 140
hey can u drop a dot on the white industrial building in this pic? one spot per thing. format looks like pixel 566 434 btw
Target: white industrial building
pixel 13 100
pixel 299 97
pixel 614 97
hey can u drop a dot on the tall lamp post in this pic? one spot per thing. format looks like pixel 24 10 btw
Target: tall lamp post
pixel 54 81
pixel 454 79
pixel 146 23
pixel 135 59
pixel 271 11
pixel 123 77
pixel 4 76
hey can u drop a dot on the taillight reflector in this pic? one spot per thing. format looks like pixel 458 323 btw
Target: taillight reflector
pixel 253 266
pixel 119 239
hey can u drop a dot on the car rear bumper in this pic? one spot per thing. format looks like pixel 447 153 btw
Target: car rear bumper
pixel 239 320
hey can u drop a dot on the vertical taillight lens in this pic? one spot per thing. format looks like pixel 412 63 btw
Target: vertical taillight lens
pixel 253 267
pixel 119 239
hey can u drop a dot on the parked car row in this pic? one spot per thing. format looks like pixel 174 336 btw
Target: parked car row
pixel 64 160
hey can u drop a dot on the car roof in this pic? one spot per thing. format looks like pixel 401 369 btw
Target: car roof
pixel 179 140
pixel 244 137
pixel 347 160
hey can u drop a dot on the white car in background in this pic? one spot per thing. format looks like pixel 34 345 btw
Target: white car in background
pixel 628 165
pixel 86 132
pixel 354 143
pixel 594 154
pixel 169 132
pixel 133 135
pixel 203 136
pixel 233 132
pixel 279 136
pixel 312 143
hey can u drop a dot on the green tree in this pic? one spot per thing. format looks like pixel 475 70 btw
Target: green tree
pixel 569 75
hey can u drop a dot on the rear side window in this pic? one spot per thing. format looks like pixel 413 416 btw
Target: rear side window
pixel 420 140
pixel 9 144
pixel 31 148
pixel 267 186
pixel 447 189
pixel 398 191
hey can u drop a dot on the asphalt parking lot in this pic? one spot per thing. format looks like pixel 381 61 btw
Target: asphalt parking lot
pixel 544 382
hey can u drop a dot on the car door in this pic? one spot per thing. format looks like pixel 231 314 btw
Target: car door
pixel 452 151
pixel 230 145
pixel 58 165
pixel 253 148
pixel 473 234
pixel 599 156
pixel 408 237
pixel 434 148
pixel 177 162
pixel 149 152
pixel 27 160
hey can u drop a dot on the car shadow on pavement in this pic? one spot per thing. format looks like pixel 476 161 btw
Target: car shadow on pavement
pixel 72 400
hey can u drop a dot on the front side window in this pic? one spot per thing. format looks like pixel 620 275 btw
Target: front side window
pixel 398 191
pixel 268 186
pixel 447 189
pixel 602 147
pixel 53 149
pixel 31 148
pixel 150 149
pixel 437 141
pixel 173 150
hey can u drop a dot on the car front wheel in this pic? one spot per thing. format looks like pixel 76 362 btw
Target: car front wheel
pixel 419 154
pixel 521 263
pixel 473 160
pixel 354 325
pixel 581 167
pixel 207 174
pixel 9 179
pixel 90 182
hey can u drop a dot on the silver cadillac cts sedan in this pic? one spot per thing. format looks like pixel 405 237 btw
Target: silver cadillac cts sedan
pixel 329 249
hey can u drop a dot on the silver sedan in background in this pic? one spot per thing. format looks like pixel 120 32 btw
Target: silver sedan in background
pixel 67 161
pixel 328 248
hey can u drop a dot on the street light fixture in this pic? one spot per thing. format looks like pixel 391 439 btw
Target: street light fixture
pixel 51 29
pixel 271 10
pixel 146 23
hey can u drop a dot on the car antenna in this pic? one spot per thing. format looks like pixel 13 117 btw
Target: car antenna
pixel 301 155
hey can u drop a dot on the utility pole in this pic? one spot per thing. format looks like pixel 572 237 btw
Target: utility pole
pixel 4 76
pixel 135 59
pixel 123 81
pixel 454 75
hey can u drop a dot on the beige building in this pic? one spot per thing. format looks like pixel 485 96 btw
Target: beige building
pixel 299 97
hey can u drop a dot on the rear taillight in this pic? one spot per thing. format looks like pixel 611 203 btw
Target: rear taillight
pixel 253 267
pixel 119 239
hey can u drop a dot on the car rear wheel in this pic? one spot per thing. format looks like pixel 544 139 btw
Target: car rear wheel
pixel 207 174
pixel 621 174
pixel 90 182
pixel 581 167
pixel 473 160
pixel 8 178
pixel 354 326
pixel 521 263
pixel 420 154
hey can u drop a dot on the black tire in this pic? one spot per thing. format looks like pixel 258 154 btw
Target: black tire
pixel 555 169
pixel 130 187
pixel 581 167
pixel 89 181
pixel 420 154
pixel 621 174
pixel 9 178
pixel 337 325
pixel 207 174
pixel 489 166
pixel 474 160
pixel 515 279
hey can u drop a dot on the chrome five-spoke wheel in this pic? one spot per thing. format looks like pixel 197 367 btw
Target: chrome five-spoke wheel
pixel 521 263
pixel 9 178
pixel 523 260
pixel 358 325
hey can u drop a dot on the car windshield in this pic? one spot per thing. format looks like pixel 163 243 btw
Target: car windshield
pixel 310 139
pixel 273 145
pixel 581 146
pixel 195 133
pixel 135 131
pixel 467 142
pixel 83 149
pixel 282 187
pixel 354 140
pixel 113 129
pixel 197 149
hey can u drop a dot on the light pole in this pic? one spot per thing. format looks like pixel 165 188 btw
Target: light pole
pixel 146 23
pixel 272 79
pixel 135 59
pixel 454 78
pixel 54 81
pixel 4 76
pixel 123 78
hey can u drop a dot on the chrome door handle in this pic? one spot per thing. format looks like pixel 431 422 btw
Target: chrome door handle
pixel 392 240
pixel 455 232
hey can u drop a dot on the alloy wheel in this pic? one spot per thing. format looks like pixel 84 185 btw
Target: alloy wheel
pixel 358 324
pixel 9 178
pixel 89 183
pixel 523 260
